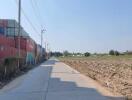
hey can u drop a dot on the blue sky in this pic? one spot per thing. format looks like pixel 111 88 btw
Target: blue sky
pixel 78 25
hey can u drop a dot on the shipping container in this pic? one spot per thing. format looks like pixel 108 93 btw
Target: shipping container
pixel 23 54
pixel 26 44
pixel 6 52
pixel 2 30
pixel 30 58
pixel 24 33
pixel 7 41
pixel 30 45
pixel 38 56
pixel 22 43
pixel 38 50
pixel 12 23
pixel 45 54
pixel 43 51
pixel 3 23
pixel 10 32
pixel 9 27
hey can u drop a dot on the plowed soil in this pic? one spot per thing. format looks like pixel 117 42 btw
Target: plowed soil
pixel 115 73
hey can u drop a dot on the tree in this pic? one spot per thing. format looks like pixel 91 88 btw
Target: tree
pixel 117 53
pixel 56 54
pixel 87 54
pixel 111 52
pixel 66 53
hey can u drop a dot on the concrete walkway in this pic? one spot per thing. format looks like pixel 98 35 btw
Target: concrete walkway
pixel 52 80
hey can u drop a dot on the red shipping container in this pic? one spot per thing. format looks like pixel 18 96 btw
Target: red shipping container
pixel 38 50
pixel 30 45
pixel 6 52
pixel 11 42
pixel 26 44
pixel 23 53
pixel 3 23
pixel 22 43
pixel 7 41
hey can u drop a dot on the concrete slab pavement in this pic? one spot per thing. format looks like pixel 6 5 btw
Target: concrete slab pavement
pixel 52 80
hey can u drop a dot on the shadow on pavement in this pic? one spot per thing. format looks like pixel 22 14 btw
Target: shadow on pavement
pixel 41 85
pixel 66 90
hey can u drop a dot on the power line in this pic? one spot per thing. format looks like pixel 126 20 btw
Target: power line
pixel 29 21
pixel 38 17
pixel 25 15
pixel 39 14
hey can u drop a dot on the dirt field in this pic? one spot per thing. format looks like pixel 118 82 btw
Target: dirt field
pixel 114 73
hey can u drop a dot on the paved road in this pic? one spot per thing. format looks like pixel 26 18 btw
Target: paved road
pixel 52 80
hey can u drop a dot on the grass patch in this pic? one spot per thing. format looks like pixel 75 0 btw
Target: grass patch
pixel 98 57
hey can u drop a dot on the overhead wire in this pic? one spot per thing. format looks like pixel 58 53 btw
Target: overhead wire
pixel 36 13
pixel 39 14
pixel 28 20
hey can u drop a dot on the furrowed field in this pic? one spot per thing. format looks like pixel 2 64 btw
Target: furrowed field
pixel 113 72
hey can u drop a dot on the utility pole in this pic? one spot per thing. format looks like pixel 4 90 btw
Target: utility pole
pixel 19 30
pixel 42 31
pixel 45 46
pixel 46 50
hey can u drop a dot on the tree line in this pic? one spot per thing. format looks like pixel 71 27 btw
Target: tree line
pixel 87 54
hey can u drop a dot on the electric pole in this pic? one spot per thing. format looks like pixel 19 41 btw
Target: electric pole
pixel 19 30
pixel 42 31
pixel 45 45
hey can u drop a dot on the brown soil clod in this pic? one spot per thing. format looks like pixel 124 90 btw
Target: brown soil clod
pixel 116 75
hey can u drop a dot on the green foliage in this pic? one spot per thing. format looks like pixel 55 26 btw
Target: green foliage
pixel 66 53
pixel 56 54
pixel 87 54
pixel 117 53
pixel 111 52
pixel 9 61
pixel 9 66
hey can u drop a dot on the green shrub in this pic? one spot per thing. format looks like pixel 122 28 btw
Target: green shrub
pixel 111 52
pixel 117 53
pixel 66 53
pixel 10 66
pixel 9 61
pixel 87 54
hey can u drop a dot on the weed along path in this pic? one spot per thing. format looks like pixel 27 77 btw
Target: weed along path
pixel 54 80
